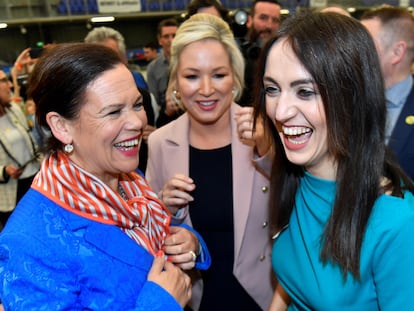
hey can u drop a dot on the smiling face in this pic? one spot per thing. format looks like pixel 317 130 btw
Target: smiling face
pixel 265 21
pixel 295 106
pixel 205 81
pixel 108 132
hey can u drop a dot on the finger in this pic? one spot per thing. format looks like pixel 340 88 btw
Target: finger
pixel 183 178
pixel 176 203
pixel 177 197
pixel 175 229
pixel 158 264
pixel 184 261
pixel 186 265
pixel 180 258
pixel 174 240
pixel 180 184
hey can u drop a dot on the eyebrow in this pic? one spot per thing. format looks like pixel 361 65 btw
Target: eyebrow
pixel 119 106
pixel 213 70
pixel 292 84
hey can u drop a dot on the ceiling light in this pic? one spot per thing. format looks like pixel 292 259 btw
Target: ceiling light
pixel 102 19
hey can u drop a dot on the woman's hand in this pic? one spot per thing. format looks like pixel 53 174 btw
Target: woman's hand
pixel 170 278
pixel 257 138
pixel 24 58
pixel 13 171
pixel 182 247
pixel 172 106
pixel 176 192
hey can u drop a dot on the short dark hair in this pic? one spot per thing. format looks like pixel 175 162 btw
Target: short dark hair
pixel 151 45
pixel 396 24
pixel 386 14
pixel 252 8
pixel 195 5
pixel 60 79
pixel 169 22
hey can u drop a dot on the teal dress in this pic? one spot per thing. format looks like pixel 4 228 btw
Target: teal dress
pixel 387 255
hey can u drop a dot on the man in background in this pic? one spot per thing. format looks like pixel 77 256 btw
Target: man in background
pixel 158 69
pixel 150 51
pixel 263 22
pixel 113 39
pixel 393 32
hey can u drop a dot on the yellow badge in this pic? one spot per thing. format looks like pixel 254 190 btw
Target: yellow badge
pixel 409 120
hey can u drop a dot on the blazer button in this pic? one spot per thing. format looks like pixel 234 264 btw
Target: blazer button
pixel 264 225
pixel 263 257
pixel 264 189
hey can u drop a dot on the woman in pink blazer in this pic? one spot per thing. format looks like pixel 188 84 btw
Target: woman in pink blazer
pixel 209 168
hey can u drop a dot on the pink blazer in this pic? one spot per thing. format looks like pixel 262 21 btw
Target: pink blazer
pixel 169 154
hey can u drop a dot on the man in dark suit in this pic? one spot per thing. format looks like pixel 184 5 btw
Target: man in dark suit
pixel 393 32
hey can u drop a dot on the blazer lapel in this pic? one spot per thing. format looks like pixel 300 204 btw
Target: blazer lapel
pixel 243 176
pixel 177 147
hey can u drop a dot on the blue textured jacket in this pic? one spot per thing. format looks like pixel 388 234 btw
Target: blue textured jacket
pixel 52 259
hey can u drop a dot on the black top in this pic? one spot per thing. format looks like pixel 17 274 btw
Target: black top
pixel 211 213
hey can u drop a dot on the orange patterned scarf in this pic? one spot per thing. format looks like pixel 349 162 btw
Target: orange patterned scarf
pixel 143 217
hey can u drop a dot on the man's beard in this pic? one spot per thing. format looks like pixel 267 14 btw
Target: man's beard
pixel 256 36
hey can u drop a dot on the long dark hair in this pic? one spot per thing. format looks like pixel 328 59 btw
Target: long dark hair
pixel 60 78
pixel 340 55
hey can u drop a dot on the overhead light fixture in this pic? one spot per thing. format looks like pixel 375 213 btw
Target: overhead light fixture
pixel 3 25
pixel 102 19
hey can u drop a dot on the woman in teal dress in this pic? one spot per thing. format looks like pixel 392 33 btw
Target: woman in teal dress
pixel 343 215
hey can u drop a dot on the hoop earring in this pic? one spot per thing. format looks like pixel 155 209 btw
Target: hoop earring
pixel 68 149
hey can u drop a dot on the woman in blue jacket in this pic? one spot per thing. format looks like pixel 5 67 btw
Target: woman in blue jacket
pixel 86 233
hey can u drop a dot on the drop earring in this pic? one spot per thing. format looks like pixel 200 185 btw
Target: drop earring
pixel 234 91
pixel 176 94
pixel 175 97
pixel 68 148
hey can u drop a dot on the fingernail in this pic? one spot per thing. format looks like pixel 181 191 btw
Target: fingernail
pixel 160 253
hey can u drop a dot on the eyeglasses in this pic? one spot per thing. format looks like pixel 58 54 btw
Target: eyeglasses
pixel 4 79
